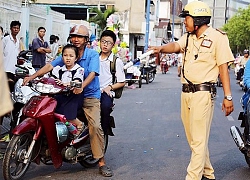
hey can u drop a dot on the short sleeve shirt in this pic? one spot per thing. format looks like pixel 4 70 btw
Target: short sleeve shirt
pixel 11 50
pixel 38 59
pixel 105 76
pixel 67 74
pixel 90 62
pixel 5 101
pixel 204 55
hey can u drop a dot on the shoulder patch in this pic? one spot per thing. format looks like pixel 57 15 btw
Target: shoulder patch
pixel 222 32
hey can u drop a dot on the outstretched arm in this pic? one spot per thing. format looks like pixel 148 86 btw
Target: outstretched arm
pixel 40 72
pixel 171 47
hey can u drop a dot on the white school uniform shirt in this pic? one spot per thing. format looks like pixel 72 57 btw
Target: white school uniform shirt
pixel 67 75
pixel 105 76
pixel 11 50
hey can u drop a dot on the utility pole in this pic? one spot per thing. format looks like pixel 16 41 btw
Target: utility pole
pixel 147 26
pixel 173 21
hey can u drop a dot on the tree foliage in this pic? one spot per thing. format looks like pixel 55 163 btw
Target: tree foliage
pixel 100 17
pixel 238 30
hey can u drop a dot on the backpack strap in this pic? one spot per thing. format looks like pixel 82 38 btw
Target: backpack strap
pixel 113 68
pixel 60 72
pixel 73 73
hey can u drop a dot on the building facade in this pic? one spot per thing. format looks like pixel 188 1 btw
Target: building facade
pixel 32 17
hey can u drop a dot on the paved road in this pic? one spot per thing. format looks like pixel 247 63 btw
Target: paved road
pixel 149 141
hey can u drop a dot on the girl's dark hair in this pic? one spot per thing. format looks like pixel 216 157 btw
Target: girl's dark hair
pixel 70 46
pixel 52 39
pixel 1 28
pixel 109 33
pixel 15 23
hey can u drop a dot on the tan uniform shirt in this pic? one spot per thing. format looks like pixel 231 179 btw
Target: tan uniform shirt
pixel 5 101
pixel 204 55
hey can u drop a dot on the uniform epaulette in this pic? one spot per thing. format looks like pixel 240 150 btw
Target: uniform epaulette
pixel 222 32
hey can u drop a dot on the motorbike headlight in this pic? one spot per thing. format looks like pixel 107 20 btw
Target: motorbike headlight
pixel 22 93
pixel 61 131
pixel 18 95
pixel 26 98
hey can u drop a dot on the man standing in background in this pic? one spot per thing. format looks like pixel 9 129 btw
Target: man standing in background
pixel 5 101
pixel 11 49
pixel 39 49
pixel 206 54
pixel 242 62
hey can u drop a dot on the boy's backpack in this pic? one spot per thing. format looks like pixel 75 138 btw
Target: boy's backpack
pixel 118 92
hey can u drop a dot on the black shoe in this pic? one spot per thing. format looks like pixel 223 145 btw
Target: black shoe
pixel 205 178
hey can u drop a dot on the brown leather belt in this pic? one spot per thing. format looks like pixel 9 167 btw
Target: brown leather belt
pixel 187 88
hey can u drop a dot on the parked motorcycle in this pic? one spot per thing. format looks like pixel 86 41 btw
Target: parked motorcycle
pixel 148 72
pixel 148 69
pixel 134 73
pixel 43 136
pixel 20 94
pixel 243 140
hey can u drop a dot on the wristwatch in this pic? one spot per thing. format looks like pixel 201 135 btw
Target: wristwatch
pixel 229 97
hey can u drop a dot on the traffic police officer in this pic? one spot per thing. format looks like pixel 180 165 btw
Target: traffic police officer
pixel 206 55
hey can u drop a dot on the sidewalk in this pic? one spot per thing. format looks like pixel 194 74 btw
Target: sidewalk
pixel 4 129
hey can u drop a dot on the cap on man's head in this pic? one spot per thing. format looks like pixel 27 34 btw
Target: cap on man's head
pixel 79 30
pixel 196 9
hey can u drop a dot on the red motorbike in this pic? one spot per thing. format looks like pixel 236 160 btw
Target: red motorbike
pixel 42 136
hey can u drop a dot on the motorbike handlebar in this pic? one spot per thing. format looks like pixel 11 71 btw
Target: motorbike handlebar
pixel 57 88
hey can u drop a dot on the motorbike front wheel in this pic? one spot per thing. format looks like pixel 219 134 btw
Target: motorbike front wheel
pixel 151 77
pixel 147 77
pixel 15 117
pixel 14 167
pixel 140 81
pixel 247 159
pixel 89 161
